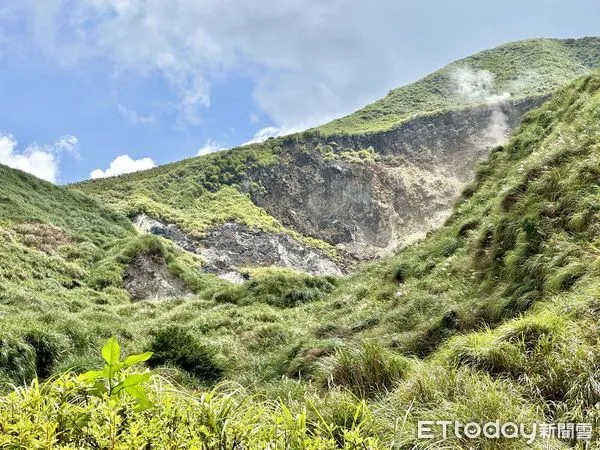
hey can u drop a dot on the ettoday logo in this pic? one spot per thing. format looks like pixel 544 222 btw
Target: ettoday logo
pixel 445 429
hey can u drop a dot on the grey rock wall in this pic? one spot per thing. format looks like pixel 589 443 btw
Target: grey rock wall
pixel 370 208
pixel 231 247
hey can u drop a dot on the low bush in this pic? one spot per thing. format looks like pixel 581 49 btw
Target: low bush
pixel 48 347
pixel 304 360
pixel 482 351
pixel 288 289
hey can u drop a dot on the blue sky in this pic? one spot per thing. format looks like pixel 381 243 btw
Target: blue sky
pixel 83 82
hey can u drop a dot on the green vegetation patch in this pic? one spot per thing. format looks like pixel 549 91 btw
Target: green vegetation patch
pixel 527 68
pixel 494 316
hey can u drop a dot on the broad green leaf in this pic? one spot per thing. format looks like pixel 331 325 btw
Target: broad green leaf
pixel 142 405
pixel 135 359
pixel 136 378
pixel 91 375
pixel 139 394
pixel 99 388
pixel 132 380
pixel 81 420
pixel 110 371
pixel 111 352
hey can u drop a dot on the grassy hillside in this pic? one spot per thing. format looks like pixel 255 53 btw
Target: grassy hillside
pixel 198 193
pixel 523 69
pixel 62 260
pixel 26 199
pixel 493 316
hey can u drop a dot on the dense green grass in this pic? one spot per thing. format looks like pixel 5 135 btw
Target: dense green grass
pixel 492 316
pixel 524 69
pixel 193 193
pixel 62 258
pixel 26 199
pixel 501 301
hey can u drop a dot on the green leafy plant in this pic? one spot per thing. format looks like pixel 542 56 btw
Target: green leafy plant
pixel 115 379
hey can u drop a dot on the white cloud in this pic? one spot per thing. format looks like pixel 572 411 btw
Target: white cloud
pixel 67 143
pixel 310 60
pixel 135 118
pixel 123 164
pixel 39 160
pixel 210 147
pixel 268 132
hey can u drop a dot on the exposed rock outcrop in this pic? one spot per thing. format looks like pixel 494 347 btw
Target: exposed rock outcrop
pixel 169 231
pixel 147 277
pixel 373 207
pixel 473 129
pixel 235 245
pixel 368 207
pixel 230 247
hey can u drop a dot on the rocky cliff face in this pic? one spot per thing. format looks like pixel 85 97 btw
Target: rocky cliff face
pixel 368 207
pixel 475 129
pixel 365 194
pixel 365 208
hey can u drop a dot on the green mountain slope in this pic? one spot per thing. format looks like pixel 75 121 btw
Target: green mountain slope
pixel 197 193
pixel 491 317
pixel 26 199
pixel 523 69
pixel 201 194
pixel 62 262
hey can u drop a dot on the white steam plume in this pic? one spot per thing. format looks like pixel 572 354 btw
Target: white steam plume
pixel 478 86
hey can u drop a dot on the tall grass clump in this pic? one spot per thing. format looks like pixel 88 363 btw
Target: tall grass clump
pixel 17 360
pixel 177 346
pixel 152 413
pixel 280 288
pixel 367 370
